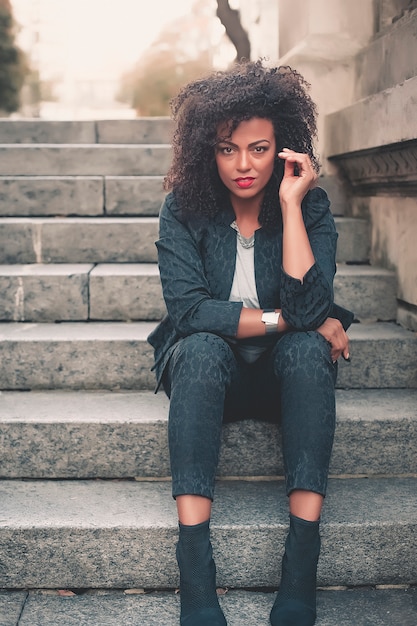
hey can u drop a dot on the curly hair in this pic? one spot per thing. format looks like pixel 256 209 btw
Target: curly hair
pixel 246 90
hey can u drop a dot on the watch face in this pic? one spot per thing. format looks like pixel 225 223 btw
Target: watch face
pixel 270 318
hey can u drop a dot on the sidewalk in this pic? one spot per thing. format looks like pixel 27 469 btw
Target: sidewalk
pixel 355 607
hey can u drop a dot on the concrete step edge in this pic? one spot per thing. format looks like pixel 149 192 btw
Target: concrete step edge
pixel 345 274
pixel 85 159
pixel 75 177
pixel 80 146
pixel 108 434
pixel 145 129
pixel 80 195
pixel 99 355
pixel 85 219
pixel 335 607
pixel 344 271
pixel 85 331
pixel 90 219
pixel 145 407
pixel 347 270
pixel 85 526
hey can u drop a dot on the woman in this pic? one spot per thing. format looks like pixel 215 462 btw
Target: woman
pixel 247 259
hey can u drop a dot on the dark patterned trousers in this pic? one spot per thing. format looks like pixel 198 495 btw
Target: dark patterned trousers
pixel 293 382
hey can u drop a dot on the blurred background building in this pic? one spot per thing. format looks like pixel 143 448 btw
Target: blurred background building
pixel 85 50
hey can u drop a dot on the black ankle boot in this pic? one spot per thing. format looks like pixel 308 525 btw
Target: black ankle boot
pixel 295 604
pixel 199 602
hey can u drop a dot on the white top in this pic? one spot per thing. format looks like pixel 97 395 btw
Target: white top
pixel 244 287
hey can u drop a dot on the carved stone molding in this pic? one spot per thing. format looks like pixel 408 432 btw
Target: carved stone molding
pixel 386 169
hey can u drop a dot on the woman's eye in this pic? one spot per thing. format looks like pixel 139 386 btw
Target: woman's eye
pixel 225 150
pixel 260 149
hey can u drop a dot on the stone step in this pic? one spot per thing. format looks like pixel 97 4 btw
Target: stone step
pixel 125 291
pixel 47 131
pixel 367 290
pixel 80 435
pixel 32 196
pixel 122 534
pixel 111 239
pixel 44 293
pixel 79 292
pixel 335 607
pixel 143 130
pixel 133 195
pixel 84 159
pixel 109 355
pixel 80 355
pixel 78 240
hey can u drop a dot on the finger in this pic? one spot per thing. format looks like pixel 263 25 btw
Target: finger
pixel 303 164
pixel 288 154
pixel 335 354
pixel 346 354
pixel 297 157
pixel 288 169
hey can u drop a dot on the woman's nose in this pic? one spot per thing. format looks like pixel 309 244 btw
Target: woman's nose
pixel 243 161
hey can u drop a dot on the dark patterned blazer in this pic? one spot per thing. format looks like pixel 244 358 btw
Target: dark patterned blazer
pixel 197 258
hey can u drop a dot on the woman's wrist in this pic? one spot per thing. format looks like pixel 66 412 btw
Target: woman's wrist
pixel 270 318
pixel 273 321
pixel 282 324
pixel 291 211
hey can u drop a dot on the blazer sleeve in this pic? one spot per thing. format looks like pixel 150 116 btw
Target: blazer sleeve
pixel 307 303
pixel 186 291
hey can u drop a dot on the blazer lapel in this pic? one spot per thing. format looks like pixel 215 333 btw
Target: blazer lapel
pixel 219 256
pixel 268 261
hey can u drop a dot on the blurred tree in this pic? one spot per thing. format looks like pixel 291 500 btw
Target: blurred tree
pixel 150 86
pixel 182 53
pixel 13 63
pixel 230 18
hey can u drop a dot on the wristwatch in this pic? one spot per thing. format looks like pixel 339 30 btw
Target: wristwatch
pixel 270 318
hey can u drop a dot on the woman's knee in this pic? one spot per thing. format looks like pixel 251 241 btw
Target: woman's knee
pixel 203 355
pixel 307 353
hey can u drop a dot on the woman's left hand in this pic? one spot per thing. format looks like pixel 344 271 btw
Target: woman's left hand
pixel 333 331
pixel 299 176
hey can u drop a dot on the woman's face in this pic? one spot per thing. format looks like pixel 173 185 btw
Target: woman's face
pixel 245 160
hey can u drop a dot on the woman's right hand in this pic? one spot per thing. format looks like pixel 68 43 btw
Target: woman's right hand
pixel 333 331
pixel 294 185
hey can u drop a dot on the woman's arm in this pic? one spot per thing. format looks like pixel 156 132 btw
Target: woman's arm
pixel 186 291
pixel 309 246
pixel 251 324
pixel 297 255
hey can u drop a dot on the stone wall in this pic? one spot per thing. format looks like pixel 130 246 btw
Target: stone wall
pixel 373 144
pixel 389 11
pixel 361 60
pixel 321 40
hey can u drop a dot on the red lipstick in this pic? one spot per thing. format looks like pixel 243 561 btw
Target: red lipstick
pixel 244 183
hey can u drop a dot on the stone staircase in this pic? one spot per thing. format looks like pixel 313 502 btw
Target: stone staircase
pixel 84 470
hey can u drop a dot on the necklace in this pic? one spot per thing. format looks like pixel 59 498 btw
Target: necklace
pixel 245 242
